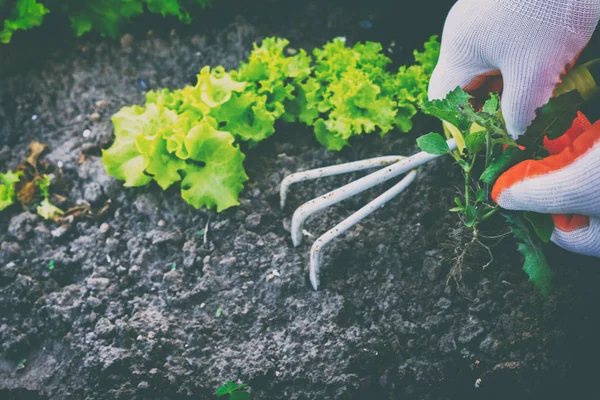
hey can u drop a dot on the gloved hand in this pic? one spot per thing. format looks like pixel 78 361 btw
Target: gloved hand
pixel 529 43
pixel 526 45
pixel 566 184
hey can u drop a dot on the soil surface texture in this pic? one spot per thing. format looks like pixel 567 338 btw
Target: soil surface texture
pixel 157 300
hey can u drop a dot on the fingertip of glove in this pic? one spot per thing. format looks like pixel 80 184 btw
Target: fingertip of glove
pixel 502 192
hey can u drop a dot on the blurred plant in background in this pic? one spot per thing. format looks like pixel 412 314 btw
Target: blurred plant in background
pixel 106 17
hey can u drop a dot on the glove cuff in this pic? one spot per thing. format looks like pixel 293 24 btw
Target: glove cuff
pixel 579 17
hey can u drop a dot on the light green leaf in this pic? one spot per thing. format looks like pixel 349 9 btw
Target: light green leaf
pixel 450 109
pixel 217 86
pixel 433 143
pixel 475 141
pixel 160 164
pixel 48 210
pixel 246 116
pixel 327 138
pixel 124 159
pixel 218 175
pixel 7 188
pixel 492 105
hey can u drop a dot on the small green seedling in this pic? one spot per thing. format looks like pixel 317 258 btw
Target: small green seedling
pixel 234 391
pixel 22 364
pixel 219 312
pixel 51 265
pixel 46 209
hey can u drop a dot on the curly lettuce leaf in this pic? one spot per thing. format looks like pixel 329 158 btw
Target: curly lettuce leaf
pixel 7 188
pixel 125 160
pixel 246 116
pixel 303 107
pixel 428 59
pixel 274 75
pixel 358 106
pixel 216 86
pixel 324 136
pixel 160 164
pixel 173 100
pixel 217 176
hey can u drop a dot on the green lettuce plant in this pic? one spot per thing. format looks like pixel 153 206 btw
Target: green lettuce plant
pixel 192 135
pixel 106 17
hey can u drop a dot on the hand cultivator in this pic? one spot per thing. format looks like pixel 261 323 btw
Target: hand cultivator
pixel 394 166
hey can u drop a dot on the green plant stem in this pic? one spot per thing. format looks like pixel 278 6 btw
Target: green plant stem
pixel 488 155
pixel 490 214
pixel 468 180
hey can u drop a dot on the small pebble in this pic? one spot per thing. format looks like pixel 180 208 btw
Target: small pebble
pixel 101 103
pixel 94 302
pixel 104 227
pixel 59 232
pixel 253 221
pixel 95 117
pixel 60 164
pixel 161 223
pixel 87 133
pixel 134 271
pixel 34 117
pixel 291 51
pixel 143 84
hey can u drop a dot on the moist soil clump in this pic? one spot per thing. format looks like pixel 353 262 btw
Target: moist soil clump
pixel 145 303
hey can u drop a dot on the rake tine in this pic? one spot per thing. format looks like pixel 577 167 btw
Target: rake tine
pixel 319 203
pixel 379 202
pixel 333 170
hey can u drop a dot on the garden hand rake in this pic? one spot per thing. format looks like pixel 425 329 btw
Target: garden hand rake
pixel 393 166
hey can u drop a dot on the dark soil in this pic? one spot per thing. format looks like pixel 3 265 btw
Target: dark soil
pixel 130 309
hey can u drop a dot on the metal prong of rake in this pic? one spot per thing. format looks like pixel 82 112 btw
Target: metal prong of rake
pixel 319 203
pixel 317 247
pixel 334 170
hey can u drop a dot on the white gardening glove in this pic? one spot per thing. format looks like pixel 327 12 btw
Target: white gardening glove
pixel 529 42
